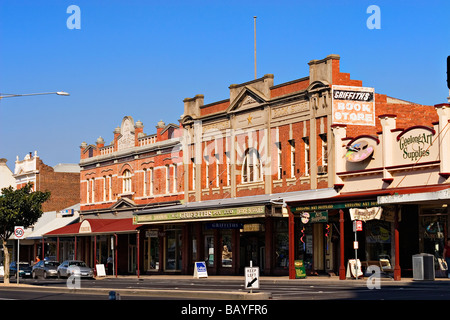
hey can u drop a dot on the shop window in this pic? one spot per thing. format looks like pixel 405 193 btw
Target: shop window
pixel 378 240
pixel 173 249
pixel 209 250
pixel 281 244
pixel 433 225
pixel 227 254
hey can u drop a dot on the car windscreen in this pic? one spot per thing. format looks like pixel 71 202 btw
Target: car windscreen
pixel 77 263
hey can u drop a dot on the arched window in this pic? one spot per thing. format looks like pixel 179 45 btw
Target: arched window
pixel 126 184
pixel 251 168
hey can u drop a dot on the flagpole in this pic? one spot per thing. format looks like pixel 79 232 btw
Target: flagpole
pixel 254 19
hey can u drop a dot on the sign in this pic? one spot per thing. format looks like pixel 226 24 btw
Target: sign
pixel 353 105
pixel 357 225
pixel 345 205
pixel 359 151
pixel 100 270
pixel 300 272
pixel 200 270
pixel 366 214
pixel 416 143
pixel 19 232
pixel 252 278
pixel 200 214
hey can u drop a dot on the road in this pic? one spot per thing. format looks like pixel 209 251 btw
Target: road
pixel 278 288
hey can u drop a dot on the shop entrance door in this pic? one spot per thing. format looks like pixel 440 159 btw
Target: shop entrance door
pixel 252 249
pixel 151 251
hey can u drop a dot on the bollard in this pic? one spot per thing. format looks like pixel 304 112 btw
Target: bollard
pixel 112 295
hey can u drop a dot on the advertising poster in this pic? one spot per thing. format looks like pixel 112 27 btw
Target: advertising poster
pixel 353 105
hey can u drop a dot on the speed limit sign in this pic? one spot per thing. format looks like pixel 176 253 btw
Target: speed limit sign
pixel 19 232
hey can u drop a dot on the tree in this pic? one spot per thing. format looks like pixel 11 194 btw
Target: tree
pixel 21 207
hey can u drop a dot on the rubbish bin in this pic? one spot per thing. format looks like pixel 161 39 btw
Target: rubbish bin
pixel 423 266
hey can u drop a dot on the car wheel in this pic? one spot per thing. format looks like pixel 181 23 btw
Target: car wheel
pixel 33 275
pixel 44 275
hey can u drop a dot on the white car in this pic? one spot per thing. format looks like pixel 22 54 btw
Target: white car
pixel 74 268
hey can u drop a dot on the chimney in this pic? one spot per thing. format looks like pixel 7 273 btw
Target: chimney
pixel 192 105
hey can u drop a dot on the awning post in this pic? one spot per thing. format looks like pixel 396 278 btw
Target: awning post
pixel 342 263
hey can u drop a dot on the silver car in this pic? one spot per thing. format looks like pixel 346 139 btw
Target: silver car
pixel 74 268
pixel 45 269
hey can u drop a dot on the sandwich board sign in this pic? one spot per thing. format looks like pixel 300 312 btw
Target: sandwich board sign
pixel 252 278
pixel 200 270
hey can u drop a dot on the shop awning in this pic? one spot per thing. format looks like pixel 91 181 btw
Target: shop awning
pixel 95 227
pixel 223 209
pixel 417 195
pixel 370 198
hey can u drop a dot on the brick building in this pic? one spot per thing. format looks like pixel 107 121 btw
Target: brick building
pixel 62 180
pixel 133 172
pixel 227 186
pixel 245 156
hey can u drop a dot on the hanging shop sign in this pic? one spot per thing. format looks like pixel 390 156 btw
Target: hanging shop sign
pixel 314 217
pixel 200 214
pixel 353 105
pixel 366 214
pixel 359 151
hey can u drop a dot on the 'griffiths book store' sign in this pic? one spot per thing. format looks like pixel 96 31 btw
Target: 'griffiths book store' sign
pixel 353 105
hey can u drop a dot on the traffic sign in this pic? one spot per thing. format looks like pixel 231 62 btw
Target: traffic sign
pixel 19 232
pixel 252 278
pixel 357 225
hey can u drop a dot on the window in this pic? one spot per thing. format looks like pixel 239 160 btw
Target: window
pixel 217 173
pixel 228 171
pixel 251 168
pixel 88 193
pixel 324 150
pixel 307 155
pixel 126 184
pixel 175 178
pixel 279 163
pixel 145 182
pixel 151 181
pixel 93 190
pixel 207 173
pixel 292 142
pixel 110 188
pixel 104 188
pixel 167 179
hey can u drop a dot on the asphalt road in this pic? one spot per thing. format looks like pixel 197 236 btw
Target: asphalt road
pixel 278 288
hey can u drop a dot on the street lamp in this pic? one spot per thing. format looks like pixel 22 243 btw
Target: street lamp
pixel 59 93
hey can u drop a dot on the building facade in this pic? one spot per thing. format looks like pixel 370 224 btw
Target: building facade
pixel 133 172
pixel 63 182
pixel 274 173
pixel 244 157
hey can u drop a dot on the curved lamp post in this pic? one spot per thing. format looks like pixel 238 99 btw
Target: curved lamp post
pixel 59 93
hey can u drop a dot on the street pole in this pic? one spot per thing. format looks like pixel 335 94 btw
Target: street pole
pixel 17 266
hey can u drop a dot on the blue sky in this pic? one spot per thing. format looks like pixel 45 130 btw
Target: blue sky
pixel 142 58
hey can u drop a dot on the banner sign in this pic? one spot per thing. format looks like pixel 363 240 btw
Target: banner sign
pixel 353 105
pixel 366 214
pixel 201 214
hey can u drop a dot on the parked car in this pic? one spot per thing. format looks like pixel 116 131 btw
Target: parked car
pixel 24 269
pixel 45 269
pixel 74 267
